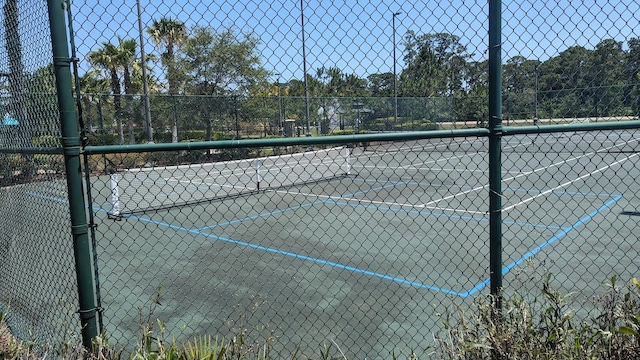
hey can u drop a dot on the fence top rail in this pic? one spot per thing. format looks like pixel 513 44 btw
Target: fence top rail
pixel 612 125
pixel 394 136
pixel 252 143
pixel 33 150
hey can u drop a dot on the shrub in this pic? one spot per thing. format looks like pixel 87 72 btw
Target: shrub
pixel 546 329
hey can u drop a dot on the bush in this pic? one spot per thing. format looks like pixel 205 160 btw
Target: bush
pixel 546 329
pixel 47 141
pixel 342 132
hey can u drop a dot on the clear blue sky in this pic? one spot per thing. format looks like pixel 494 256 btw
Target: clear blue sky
pixel 356 36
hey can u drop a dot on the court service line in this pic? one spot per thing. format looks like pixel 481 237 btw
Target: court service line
pixel 291 208
pixel 416 166
pixel 453 215
pixel 349 197
pixel 209 169
pixel 212 165
pixel 250 173
pixel 360 201
pixel 416 147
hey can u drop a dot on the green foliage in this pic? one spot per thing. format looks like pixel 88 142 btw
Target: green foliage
pixel 342 132
pixel 546 327
pixel 47 141
pixel 219 63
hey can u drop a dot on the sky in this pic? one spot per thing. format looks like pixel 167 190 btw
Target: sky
pixel 357 36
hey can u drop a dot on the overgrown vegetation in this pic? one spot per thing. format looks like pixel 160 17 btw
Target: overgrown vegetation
pixel 546 327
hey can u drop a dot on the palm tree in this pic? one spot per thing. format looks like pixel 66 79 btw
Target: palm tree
pixel 127 59
pixel 169 33
pixel 108 58
pixel 92 85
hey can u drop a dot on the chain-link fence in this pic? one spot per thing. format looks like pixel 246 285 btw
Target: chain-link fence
pixel 322 173
pixel 38 290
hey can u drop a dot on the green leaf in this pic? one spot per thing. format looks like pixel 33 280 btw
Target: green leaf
pixel 628 330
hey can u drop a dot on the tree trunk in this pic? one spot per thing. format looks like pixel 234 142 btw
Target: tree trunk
pixel 117 106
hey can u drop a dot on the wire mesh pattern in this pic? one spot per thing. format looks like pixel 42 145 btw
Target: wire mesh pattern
pixel 371 260
pixel 191 184
pixel 365 242
pixel 38 290
pixel 345 258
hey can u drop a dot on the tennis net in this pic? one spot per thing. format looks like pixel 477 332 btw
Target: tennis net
pixel 152 189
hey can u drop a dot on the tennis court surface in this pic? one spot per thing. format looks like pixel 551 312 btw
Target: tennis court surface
pixel 316 245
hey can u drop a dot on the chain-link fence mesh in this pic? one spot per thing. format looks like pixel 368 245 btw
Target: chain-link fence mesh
pixel 37 277
pixel 369 245
pixel 341 244
pixel 363 243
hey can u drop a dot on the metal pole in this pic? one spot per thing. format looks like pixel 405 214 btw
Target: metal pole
pixel 304 66
pixel 145 86
pixel 495 138
pixel 535 115
pixel 71 151
pixel 395 90
pixel 280 128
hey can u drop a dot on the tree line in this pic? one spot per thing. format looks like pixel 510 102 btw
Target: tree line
pixel 204 79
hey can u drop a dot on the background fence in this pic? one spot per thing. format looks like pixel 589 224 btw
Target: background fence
pixel 231 223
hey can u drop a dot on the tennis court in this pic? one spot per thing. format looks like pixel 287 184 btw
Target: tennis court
pixel 315 246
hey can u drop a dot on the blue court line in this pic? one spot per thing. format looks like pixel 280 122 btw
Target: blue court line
pixel 561 234
pixel 481 285
pixel 298 256
pixel 478 287
pixel 277 251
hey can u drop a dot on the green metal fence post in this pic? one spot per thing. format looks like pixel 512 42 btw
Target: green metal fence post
pixel 71 150
pixel 495 138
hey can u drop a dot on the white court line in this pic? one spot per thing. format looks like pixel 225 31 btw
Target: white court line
pixel 567 183
pixel 557 164
pixel 416 166
pixel 528 173
pixel 196 183
pixel 335 198
pixel 378 203
pixel 250 170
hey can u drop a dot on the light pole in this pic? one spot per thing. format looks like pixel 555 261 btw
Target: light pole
pixel 280 128
pixel 395 90
pixel 304 69
pixel 535 99
pixel 145 87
